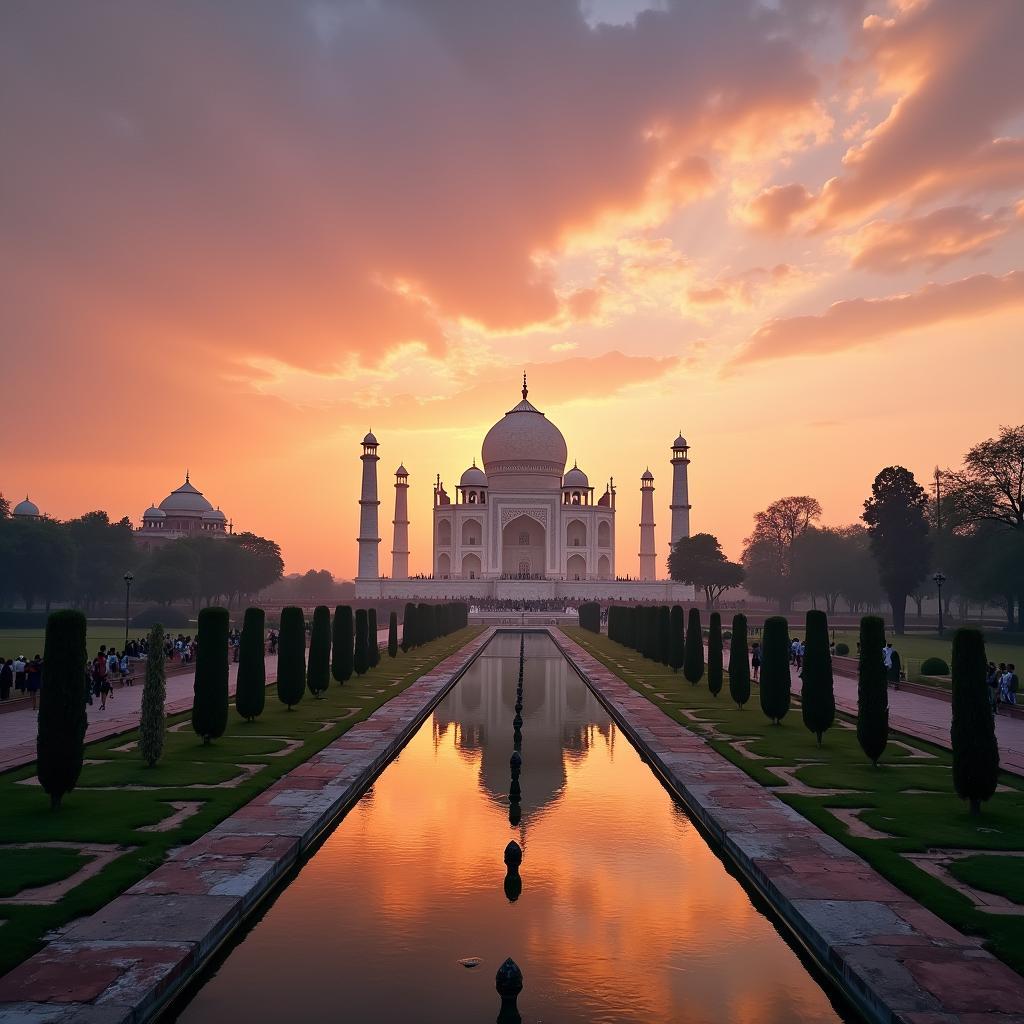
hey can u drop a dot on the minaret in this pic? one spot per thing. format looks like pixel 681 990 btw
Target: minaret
pixel 368 539
pixel 648 560
pixel 680 490
pixel 400 547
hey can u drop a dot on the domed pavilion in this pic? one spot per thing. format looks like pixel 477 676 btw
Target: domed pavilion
pixel 185 512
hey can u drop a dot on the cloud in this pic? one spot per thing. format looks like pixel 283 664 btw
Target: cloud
pixel 744 288
pixel 930 240
pixel 854 322
pixel 773 210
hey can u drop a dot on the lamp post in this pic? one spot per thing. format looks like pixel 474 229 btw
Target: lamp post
pixel 939 579
pixel 128 577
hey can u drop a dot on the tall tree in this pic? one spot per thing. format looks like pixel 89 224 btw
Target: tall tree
pixel 373 647
pixel 343 644
pixel 291 657
pixel 210 703
pixel 739 662
pixel 715 654
pixel 152 716
pixel 409 627
pixel 251 685
pixel 700 562
pixel 823 560
pixel 872 690
pixel 775 678
pixel 393 635
pixel 817 698
pixel 693 652
pixel 60 743
pixel 664 633
pixel 318 673
pixel 361 655
pixel 897 521
pixel 973 734
pixel 676 638
pixel 768 551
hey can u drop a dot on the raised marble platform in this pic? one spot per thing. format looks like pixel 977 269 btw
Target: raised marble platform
pixel 664 591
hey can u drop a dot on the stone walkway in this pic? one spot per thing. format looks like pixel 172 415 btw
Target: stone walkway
pixel 896 960
pixel 123 964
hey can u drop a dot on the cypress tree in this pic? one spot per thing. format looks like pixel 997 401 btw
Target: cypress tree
pixel 424 624
pixel 408 626
pixel 775 678
pixel 393 635
pixel 291 657
pixel 715 654
pixel 872 690
pixel 60 741
pixel 361 658
pixel 373 648
pixel 817 698
pixel 739 662
pixel 251 687
pixel 152 724
pixel 676 634
pixel 664 634
pixel 318 673
pixel 975 750
pixel 210 703
pixel 635 632
pixel 342 643
pixel 693 651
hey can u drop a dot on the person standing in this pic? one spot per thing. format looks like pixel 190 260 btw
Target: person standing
pixel 895 668
pixel 992 679
pixel 755 662
pixel 1011 684
pixel 887 661
pixel 19 674
pixel 33 680
pixel 113 666
pixel 6 678
pixel 127 676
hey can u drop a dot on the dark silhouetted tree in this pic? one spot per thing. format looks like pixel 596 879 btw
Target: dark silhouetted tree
pixel 373 647
pixel 361 658
pixel 393 635
pixel 251 686
pixel 700 562
pixel 210 704
pixel 409 627
pixel 715 654
pixel 152 717
pixel 739 663
pixel 291 657
pixel 872 690
pixel 775 678
pixel 318 673
pixel 664 634
pixel 693 652
pixel 60 741
pixel 817 698
pixel 343 642
pixel 975 750
pixel 676 638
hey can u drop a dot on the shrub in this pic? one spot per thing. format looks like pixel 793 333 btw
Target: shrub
pixel 739 663
pixel 590 616
pixel 291 657
pixel 152 724
pixel 975 749
pixel 251 686
pixel 342 644
pixel 210 704
pixel 372 647
pixel 872 690
pixel 693 653
pixel 715 654
pixel 409 627
pixel 775 679
pixel 318 673
pixel 60 741
pixel 676 638
pixel 842 649
pixel 361 656
pixel 817 698
pixel 934 667
pixel 393 635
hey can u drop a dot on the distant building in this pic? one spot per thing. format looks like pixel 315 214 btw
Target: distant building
pixel 183 513
pixel 26 510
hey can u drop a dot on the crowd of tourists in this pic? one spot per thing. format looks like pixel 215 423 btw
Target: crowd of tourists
pixel 23 676
pixel 491 604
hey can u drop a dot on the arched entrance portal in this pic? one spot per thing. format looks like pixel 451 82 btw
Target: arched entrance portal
pixel 523 548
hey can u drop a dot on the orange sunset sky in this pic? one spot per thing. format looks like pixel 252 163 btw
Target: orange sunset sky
pixel 235 236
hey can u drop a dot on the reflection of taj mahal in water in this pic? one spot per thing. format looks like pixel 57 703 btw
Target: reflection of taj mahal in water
pixel 520 526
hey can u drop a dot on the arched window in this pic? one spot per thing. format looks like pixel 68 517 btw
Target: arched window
pixel 524 538
pixel 604 535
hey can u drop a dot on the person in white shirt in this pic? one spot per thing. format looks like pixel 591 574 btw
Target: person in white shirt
pixel 887 656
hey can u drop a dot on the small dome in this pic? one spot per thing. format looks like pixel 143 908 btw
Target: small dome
pixel 401 471
pixel 369 439
pixel 26 509
pixel 154 513
pixel 215 516
pixel 647 475
pixel 186 499
pixel 473 477
pixel 575 478
pixel 680 442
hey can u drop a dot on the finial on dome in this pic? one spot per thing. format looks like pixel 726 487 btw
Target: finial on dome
pixel 526 390
pixel 186 476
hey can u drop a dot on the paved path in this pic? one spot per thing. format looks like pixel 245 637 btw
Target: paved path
pixel 123 964
pixel 894 958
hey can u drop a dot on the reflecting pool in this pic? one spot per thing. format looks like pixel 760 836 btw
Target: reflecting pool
pixel 620 911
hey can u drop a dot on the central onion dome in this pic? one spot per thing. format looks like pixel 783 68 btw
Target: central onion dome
pixel 186 499
pixel 524 451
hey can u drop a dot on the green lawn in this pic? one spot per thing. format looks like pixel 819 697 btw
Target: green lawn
pixel 917 647
pixel 30 641
pixel 913 821
pixel 27 869
pixel 94 813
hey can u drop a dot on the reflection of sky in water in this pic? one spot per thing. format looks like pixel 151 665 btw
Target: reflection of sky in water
pixel 625 914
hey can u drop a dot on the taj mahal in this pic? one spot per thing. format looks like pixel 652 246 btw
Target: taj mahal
pixel 520 525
